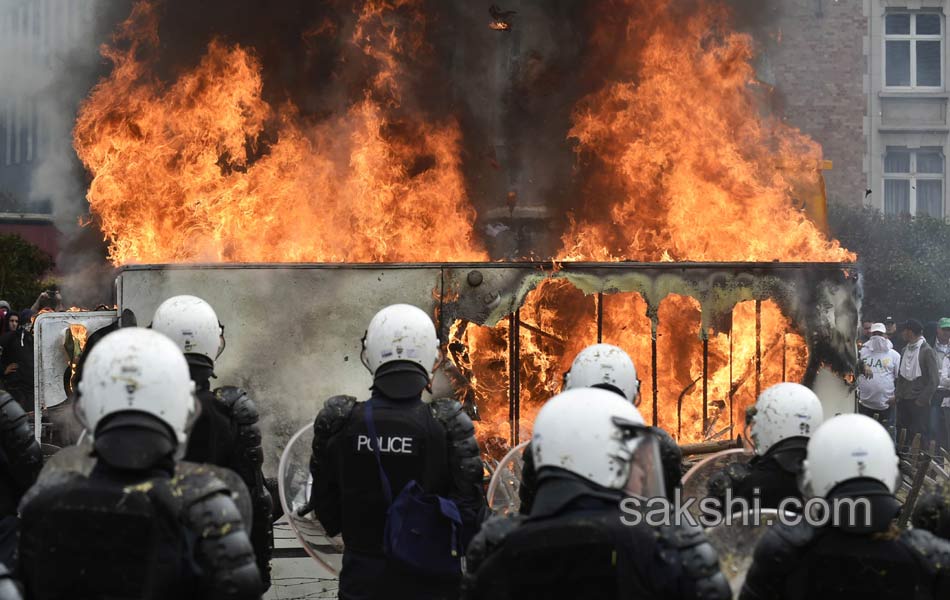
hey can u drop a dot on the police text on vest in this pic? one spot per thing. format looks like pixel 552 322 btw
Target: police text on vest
pixel 387 445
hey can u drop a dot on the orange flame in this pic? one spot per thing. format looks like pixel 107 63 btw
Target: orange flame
pixel 678 159
pixel 685 167
pixel 182 171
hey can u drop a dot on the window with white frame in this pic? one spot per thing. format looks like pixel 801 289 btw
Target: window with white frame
pixel 913 182
pixel 913 46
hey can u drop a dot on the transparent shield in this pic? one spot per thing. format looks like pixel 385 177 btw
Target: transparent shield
pixel 735 541
pixel 695 481
pixel 503 498
pixel 646 470
pixel 294 483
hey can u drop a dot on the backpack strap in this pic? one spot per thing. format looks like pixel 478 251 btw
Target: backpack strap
pixel 374 442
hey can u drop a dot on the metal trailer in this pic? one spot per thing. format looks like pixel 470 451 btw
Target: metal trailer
pixel 294 331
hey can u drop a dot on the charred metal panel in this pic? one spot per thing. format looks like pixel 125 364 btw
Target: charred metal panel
pixel 821 299
pixel 50 358
pixel 293 332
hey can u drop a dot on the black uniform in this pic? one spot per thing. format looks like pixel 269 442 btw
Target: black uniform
pixel 141 533
pixel 20 462
pixel 433 444
pixel 574 545
pixel 226 434
pixel 859 561
pixel 18 348
pixel 671 456
pixel 774 474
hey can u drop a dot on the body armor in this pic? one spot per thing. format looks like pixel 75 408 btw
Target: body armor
pixel 574 545
pixel 21 458
pixel 876 561
pixel 120 535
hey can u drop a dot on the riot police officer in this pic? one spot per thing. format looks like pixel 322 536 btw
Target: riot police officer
pixel 593 453
pixel 610 368
pixel 20 462
pixel 859 553
pixel 226 433
pixel 778 427
pixel 129 529
pixel 432 444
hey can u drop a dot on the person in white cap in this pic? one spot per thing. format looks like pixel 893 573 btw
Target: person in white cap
pixel 876 383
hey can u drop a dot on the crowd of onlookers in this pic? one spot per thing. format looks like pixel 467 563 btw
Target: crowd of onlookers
pixel 16 346
pixel 905 377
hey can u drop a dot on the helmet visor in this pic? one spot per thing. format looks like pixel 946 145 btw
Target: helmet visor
pixel 645 476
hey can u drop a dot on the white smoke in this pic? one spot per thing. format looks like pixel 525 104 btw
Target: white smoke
pixel 49 60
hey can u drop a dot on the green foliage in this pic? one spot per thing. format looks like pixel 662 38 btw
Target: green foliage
pixel 905 261
pixel 23 267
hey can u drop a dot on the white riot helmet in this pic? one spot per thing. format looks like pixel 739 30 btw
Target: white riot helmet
pixel 783 411
pixel 401 342
pixel 191 323
pixel 606 366
pixel 601 437
pixel 849 447
pixel 137 372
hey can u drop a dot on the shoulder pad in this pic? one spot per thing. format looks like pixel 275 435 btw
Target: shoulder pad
pixel 11 413
pixel 333 415
pixel 214 516
pixel 453 417
pixel 193 482
pixel 200 479
pixel 934 551
pixel 465 454
pixel 489 538
pixel 242 408
pixel 699 560
pixel 50 484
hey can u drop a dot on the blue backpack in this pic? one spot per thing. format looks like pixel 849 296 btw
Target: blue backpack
pixel 422 531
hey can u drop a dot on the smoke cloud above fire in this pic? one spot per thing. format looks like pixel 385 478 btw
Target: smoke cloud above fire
pixel 411 130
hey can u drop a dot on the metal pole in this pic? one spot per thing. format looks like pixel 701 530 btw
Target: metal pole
pixel 600 317
pixel 517 429
pixel 653 359
pixel 514 385
pixel 705 382
pixel 731 392
pixel 784 354
pixel 758 347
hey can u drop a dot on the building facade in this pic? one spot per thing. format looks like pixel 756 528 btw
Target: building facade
pixel 907 125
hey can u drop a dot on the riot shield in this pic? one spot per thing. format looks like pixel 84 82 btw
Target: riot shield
pixel 294 482
pixel 735 540
pixel 696 479
pixel 503 488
